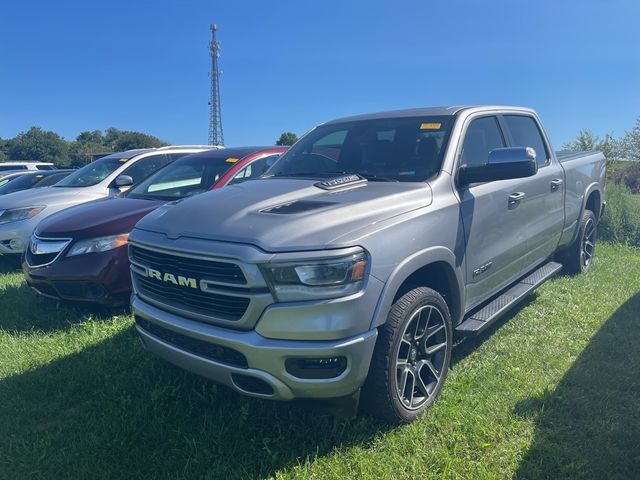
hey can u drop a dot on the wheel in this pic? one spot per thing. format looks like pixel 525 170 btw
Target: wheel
pixel 411 358
pixel 579 256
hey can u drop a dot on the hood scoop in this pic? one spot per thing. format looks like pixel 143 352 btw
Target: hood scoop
pixel 300 206
pixel 350 180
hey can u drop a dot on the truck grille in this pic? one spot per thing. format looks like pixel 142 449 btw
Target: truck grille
pixel 222 272
pixel 190 298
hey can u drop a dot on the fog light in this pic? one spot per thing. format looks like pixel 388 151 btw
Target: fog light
pixel 16 244
pixel 328 367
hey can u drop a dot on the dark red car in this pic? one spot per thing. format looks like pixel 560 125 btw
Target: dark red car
pixel 81 253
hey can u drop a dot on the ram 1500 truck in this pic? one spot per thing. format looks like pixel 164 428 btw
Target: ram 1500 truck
pixel 347 270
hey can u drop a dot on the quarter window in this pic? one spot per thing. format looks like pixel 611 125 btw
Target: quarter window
pixel 525 133
pixel 483 135
pixel 145 167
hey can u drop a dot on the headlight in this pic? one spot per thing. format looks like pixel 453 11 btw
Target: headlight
pixel 99 244
pixel 317 279
pixel 15 214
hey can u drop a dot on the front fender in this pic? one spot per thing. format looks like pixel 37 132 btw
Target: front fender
pixel 412 264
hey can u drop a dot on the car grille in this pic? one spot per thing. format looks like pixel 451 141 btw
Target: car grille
pixel 208 350
pixel 217 305
pixel 39 260
pixel 222 272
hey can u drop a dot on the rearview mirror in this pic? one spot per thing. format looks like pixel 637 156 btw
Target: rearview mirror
pixel 503 164
pixel 123 181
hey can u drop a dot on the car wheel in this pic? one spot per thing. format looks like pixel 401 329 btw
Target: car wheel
pixel 579 257
pixel 411 358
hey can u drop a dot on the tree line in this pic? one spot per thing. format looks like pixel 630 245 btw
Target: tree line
pixel 47 146
pixel 626 147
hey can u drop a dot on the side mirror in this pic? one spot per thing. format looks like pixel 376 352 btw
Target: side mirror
pixel 123 181
pixel 503 164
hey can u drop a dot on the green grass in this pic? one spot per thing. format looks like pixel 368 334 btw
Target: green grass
pixel 551 392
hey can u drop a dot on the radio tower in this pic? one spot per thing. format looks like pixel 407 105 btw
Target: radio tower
pixel 215 115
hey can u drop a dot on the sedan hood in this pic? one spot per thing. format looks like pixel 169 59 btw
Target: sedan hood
pixel 284 214
pixel 108 216
pixel 45 196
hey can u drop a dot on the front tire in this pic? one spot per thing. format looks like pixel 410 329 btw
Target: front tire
pixel 411 359
pixel 579 256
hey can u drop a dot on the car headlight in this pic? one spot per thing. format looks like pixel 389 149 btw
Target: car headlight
pixel 317 279
pixel 98 244
pixel 22 213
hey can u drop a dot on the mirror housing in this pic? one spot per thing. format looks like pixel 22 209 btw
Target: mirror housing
pixel 503 164
pixel 123 181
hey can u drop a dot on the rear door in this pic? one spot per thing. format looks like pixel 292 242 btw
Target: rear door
pixel 493 224
pixel 543 206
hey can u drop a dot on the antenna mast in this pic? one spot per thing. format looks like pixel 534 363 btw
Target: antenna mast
pixel 215 115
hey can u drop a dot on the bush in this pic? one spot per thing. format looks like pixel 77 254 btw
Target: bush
pixel 621 220
pixel 628 176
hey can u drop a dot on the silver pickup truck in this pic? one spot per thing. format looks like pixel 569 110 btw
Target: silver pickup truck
pixel 348 270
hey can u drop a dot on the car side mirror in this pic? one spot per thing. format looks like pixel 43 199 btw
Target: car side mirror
pixel 503 164
pixel 123 181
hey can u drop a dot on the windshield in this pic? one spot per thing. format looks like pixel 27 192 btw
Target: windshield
pixel 20 183
pixel 389 149
pixel 93 173
pixel 185 177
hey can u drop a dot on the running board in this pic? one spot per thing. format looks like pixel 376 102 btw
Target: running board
pixel 488 314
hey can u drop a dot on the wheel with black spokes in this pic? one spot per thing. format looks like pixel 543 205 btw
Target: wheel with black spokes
pixel 411 359
pixel 579 256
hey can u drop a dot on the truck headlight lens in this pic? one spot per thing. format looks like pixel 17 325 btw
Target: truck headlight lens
pixel 16 214
pixel 99 244
pixel 317 279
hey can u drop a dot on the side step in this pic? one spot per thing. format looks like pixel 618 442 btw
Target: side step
pixel 484 317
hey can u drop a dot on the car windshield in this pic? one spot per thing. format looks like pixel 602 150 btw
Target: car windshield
pixel 21 182
pixel 185 177
pixel 389 149
pixel 93 173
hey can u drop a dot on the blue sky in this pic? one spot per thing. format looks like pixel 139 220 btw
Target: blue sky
pixel 70 66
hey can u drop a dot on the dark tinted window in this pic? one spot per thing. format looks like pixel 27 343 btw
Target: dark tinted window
pixel 403 149
pixel 145 167
pixel 19 183
pixel 45 167
pixel 12 167
pixel 482 136
pixel 525 133
pixel 51 179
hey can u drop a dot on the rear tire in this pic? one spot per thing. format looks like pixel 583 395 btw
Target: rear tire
pixel 411 358
pixel 579 257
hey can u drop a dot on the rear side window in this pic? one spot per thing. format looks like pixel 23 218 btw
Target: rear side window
pixel 12 167
pixel 525 133
pixel 45 167
pixel 52 179
pixel 483 135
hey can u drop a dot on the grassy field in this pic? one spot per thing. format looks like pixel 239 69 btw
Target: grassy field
pixel 551 392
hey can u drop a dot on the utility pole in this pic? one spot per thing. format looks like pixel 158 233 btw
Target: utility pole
pixel 216 136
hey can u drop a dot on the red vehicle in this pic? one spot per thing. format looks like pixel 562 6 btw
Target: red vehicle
pixel 81 254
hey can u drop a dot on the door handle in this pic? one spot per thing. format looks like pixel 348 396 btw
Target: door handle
pixel 556 183
pixel 515 199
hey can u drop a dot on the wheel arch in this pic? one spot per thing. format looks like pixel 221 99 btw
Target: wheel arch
pixel 435 268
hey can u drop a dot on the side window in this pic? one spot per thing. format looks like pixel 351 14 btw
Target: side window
pixel 482 136
pixel 525 133
pixel 51 179
pixel 145 167
pixel 176 156
pixel 254 169
pixel 45 167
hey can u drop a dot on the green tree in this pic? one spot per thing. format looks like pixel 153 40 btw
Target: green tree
pixel 90 136
pixel 119 140
pixel 3 145
pixel 81 153
pixel 287 138
pixel 631 143
pixel 40 145
pixel 608 145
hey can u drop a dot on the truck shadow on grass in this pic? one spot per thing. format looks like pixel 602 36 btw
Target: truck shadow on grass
pixel 114 411
pixel 589 426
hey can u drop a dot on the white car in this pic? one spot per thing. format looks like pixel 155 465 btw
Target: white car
pixel 20 212
pixel 5 166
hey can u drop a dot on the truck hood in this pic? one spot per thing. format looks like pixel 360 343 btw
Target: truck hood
pixel 285 214
pixel 46 196
pixel 107 216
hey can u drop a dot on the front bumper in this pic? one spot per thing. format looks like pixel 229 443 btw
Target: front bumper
pixel 264 358
pixel 14 236
pixel 100 278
